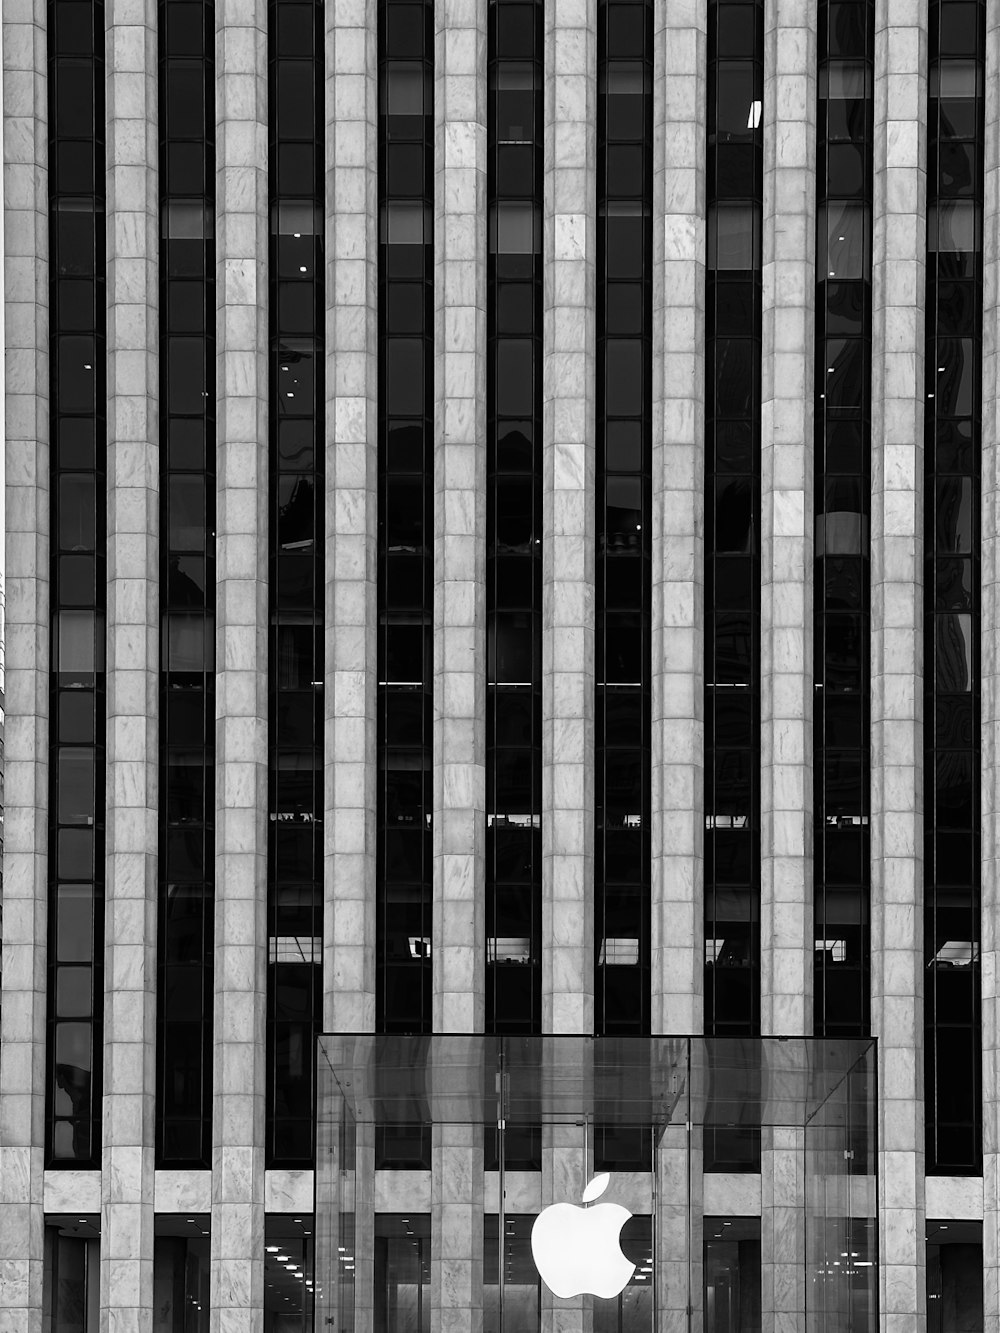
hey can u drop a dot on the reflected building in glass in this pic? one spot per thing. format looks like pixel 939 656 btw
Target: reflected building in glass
pixel 502 664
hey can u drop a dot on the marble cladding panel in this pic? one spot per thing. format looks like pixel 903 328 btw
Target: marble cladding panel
pixel 351 515
pixel 26 382
pixel 457 1185
pixel 898 290
pixel 568 241
pixel 126 1288
pixel 237 1190
pixel 460 350
pixel 677 800
pixel 786 633
pixel 782 1230
pixel 990 669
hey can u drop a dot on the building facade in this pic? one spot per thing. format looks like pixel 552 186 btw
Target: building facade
pixel 501 542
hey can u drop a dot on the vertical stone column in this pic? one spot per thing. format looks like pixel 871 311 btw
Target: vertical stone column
pixel 569 249
pixel 459 821
pixel 990 667
pixel 25 863
pixel 458 946
pixel 678 657
pixel 351 515
pixel 898 293
pixel 241 666
pixel 457 1181
pixel 786 611
pixel 786 631
pixel 126 1289
pixel 678 739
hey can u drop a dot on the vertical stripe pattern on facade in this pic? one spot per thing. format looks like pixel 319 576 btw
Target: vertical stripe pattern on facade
pixel 898 290
pixel 78 484
pixel 406 515
pixel 127 1158
pixel 677 787
pixel 842 502
pixel 733 519
pixel 623 589
pixel 514 537
pixel 568 366
pixel 952 576
pixel 23 1043
pixel 458 774
pixel 297 590
pixel 351 514
pixel 786 479
pixel 238 1120
pixel 187 582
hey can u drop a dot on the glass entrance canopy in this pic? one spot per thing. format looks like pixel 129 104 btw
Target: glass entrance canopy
pixel 460 1182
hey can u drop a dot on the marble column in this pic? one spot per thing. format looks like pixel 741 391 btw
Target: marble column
pixel 237 1222
pixel 126 1294
pixel 786 610
pixel 26 739
pixel 678 655
pixel 459 830
pixel 990 670
pixel 459 818
pixel 898 290
pixel 456 1288
pixel 351 515
pixel 568 499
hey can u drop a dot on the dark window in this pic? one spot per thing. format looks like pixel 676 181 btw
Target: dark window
pixel 513 528
pixel 406 517
pixel 622 848
pixel 78 564
pixel 732 549
pixel 296 577
pixel 952 616
pixel 841 717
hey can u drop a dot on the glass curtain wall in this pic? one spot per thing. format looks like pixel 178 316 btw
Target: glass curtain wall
pixel 78 527
pixel 405 515
pixel 514 522
pixel 187 583
pixel 842 444
pixel 624 478
pixel 296 575
pixel 370 1084
pixel 952 581
pixel 732 518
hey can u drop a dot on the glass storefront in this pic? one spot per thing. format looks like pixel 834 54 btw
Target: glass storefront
pixel 519 1176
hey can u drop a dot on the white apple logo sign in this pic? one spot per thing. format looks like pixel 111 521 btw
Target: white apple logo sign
pixel 576 1250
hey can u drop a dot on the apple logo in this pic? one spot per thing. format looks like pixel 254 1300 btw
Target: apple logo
pixel 576 1250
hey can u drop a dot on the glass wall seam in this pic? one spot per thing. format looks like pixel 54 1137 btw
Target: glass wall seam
pixel 78 526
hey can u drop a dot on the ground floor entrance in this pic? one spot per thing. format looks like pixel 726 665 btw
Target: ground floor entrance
pixel 599 1185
